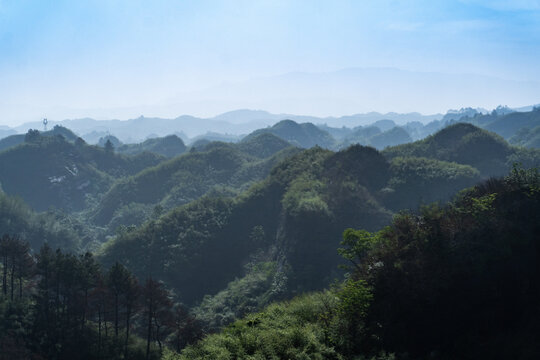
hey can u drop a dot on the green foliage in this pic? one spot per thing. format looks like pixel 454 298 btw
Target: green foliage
pixel 527 137
pixel 392 137
pixel 301 209
pixel 357 244
pixel 304 196
pixel 183 179
pixel 290 330
pixel 451 281
pixel 464 144
pixel 51 171
pixel 263 145
pixel 510 124
pixel 322 325
pixel 50 227
pixel 421 180
pixel 241 296
pixel 304 135
pixel 64 308
pixel 168 146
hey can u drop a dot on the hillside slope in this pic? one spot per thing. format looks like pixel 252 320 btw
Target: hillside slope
pixel 469 145
pixel 48 171
pixel 219 166
pixel 293 219
pixel 305 135
pixel 168 146
pixel 457 282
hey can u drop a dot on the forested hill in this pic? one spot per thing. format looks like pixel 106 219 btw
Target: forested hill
pixel 259 221
pixel 467 144
pixel 14 140
pixel 294 219
pixel 52 227
pixel 49 171
pixel 305 135
pixel 220 167
pixel 456 282
pixel 168 146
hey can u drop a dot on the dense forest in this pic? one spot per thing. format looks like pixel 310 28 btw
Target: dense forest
pixel 296 241
pixel 459 280
pixel 454 281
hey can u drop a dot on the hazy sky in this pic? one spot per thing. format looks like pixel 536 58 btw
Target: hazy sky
pixel 113 58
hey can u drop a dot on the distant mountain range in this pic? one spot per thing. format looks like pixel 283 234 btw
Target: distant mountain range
pixel 238 122
pixel 231 125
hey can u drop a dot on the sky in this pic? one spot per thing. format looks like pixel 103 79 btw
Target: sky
pixel 118 59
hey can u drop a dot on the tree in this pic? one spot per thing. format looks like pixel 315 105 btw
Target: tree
pixel 32 136
pixel 117 279
pixel 187 329
pixel 79 142
pixel 17 264
pixel 357 244
pixel 23 264
pixel 132 291
pixel 109 147
pixel 90 275
pixel 157 311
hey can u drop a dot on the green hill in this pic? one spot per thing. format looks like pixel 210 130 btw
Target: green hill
pixel 392 137
pixel 373 136
pixel 49 171
pixel 469 145
pixel 297 215
pixel 14 140
pixel 360 136
pixel 168 146
pixel 185 178
pixel 526 137
pixel 458 282
pixel 509 124
pixel 56 229
pixel 422 181
pixel 292 219
pixel 304 135
pixel 263 145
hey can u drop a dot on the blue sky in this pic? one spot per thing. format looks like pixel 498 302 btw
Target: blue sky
pixel 70 58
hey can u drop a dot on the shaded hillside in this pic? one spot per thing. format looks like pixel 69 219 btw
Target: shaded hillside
pixel 360 135
pixel 292 219
pixel 263 145
pixel 374 136
pixel 304 135
pixel 19 220
pixel 457 282
pixel 384 124
pixel 168 146
pixel 298 214
pixel 469 145
pixel 526 137
pixel 509 124
pixel 6 131
pixel 188 177
pixel 392 137
pixel 48 171
pixel 422 181
pixel 14 140
pixel 502 121
pixel 214 136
